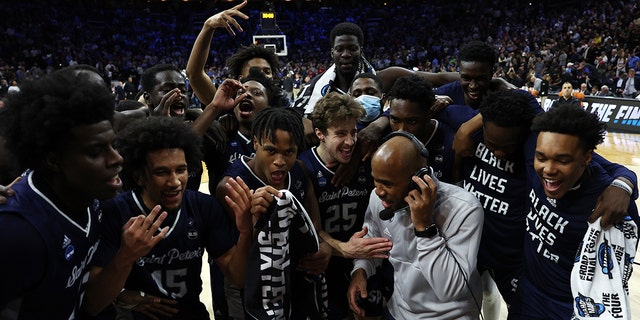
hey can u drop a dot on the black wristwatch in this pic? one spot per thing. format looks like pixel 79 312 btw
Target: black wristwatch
pixel 429 232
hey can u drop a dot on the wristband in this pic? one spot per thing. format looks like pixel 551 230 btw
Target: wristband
pixel 622 185
pixel 429 232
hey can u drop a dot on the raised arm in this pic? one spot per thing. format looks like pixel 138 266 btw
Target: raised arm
pixel 224 100
pixel 389 76
pixel 199 80
pixel 454 247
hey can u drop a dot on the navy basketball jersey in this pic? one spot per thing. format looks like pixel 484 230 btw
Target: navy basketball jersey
pixel 453 90
pixel 296 179
pixel 441 153
pixel 218 162
pixel 172 268
pixel 57 279
pixel 341 208
pixel 555 228
pixel 502 188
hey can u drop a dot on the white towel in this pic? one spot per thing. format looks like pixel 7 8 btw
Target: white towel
pixel 603 266
pixel 321 85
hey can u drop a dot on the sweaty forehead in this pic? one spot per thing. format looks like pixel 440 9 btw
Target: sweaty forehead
pixel 475 68
pixel 346 39
pixel 252 84
pixel 169 76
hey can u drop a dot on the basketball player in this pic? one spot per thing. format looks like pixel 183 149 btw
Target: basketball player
pixel 60 128
pixel 276 134
pixel 566 187
pixel 342 208
pixel 157 153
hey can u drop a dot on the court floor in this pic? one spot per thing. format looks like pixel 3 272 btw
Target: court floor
pixel 622 148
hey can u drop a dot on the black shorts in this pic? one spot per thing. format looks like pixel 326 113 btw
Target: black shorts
pixel 338 275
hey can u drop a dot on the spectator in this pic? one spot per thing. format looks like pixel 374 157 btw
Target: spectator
pixel 297 85
pixel 13 88
pixel 621 83
pixel 120 93
pixel 4 88
pixel 630 90
pixel 535 83
pixel 604 91
pixel 566 97
pixel 129 89
pixel 287 85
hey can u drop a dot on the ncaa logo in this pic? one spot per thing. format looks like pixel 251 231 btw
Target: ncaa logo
pixel 587 307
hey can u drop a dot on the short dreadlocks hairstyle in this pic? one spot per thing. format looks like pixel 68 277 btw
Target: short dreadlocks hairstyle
pixel 270 119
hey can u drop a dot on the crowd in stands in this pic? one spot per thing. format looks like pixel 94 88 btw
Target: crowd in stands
pixel 593 43
pixel 437 250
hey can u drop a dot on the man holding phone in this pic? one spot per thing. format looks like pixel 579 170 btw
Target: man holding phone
pixel 435 228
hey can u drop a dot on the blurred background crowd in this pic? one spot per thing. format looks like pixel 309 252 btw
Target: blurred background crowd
pixel 583 42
